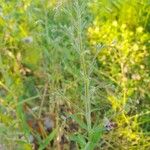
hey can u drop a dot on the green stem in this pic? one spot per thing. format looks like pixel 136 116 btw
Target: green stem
pixel 86 80
pixel 86 93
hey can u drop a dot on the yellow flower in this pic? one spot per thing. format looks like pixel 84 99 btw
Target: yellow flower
pixel 123 26
pixel 131 33
pixel 90 30
pixel 142 66
pixel 51 3
pixel 139 29
pixel 96 31
pixel 144 47
pixel 115 23
pixel 93 42
pixel 96 21
pixel 135 47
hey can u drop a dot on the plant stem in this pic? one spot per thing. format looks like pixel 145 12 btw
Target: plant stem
pixel 43 98
pixel 86 79
pixel 86 92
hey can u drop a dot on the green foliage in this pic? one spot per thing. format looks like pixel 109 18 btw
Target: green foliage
pixel 123 61
pixel 84 65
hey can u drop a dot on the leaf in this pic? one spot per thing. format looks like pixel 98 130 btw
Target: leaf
pixel 95 134
pixel 23 145
pixel 88 146
pixel 79 121
pixel 80 139
pixel 3 128
pixel 48 139
pixel 21 116
pixel 94 138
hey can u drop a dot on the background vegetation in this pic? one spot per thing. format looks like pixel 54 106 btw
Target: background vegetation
pixel 74 74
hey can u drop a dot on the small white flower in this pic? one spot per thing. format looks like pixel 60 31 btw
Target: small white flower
pixel 31 138
pixel 109 125
pixel 136 77
pixel 48 123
